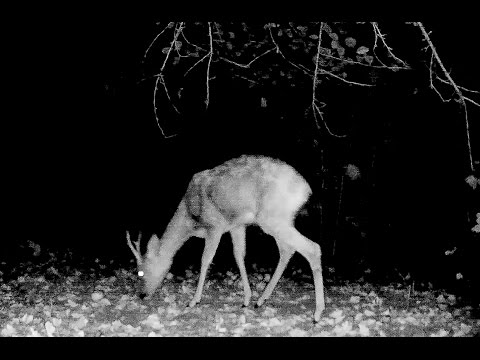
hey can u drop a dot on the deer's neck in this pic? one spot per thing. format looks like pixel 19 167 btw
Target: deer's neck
pixel 178 230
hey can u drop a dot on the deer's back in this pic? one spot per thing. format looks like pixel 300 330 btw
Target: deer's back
pixel 246 190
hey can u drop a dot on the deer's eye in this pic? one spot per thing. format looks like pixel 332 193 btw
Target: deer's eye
pixel 140 273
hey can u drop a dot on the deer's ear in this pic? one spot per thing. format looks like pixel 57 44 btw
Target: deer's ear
pixel 153 246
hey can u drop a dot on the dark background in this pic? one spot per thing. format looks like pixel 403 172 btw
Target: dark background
pixel 85 160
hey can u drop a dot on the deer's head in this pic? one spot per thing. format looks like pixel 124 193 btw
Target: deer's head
pixel 151 267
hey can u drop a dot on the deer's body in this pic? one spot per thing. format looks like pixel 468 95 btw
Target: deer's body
pixel 243 191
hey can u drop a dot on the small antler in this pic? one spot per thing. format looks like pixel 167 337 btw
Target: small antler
pixel 136 249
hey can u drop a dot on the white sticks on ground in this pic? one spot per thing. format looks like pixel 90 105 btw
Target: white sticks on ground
pixel 242 191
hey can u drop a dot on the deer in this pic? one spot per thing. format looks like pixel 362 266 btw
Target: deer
pixel 249 190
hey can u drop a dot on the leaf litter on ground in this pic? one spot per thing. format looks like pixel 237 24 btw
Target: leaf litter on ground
pixel 93 302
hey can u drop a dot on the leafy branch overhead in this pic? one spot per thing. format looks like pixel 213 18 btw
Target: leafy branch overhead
pixel 286 55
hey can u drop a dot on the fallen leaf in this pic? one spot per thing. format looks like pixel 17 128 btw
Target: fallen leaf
pixel 153 321
pixel 153 334
pixel 344 329
pixel 105 302
pixel 269 311
pixel 97 295
pixel 116 324
pixel 27 318
pixel 354 299
pixel 464 330
pixel 79 324
pixel 33 333
pixel 71 303
pixel 440 333
pixel 336 314
pixel 363 330
pixel 297 333
pixel 271 322
pixel 49 328
pixel 9 330
pixel 238 330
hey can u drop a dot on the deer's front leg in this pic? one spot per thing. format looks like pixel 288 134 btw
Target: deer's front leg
pixel 211 244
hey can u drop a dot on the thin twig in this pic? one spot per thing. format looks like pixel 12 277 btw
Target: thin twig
pixel 473 102
pixel 344 80
pixel 315 107
pixel 218 32
pixel 245 78
pixel 317 62
pixel 155 39
pixel 199 61
pixel 244 66
pixel 277 47
pixel 353 62
pixel 315 115
pixel 161 80
pixel 460 87
pixel 192 44
pixel 376 30
pixel 207 100
pixel 432 86
pixel 338 214
pixel 375 47
pixel 247 66
pixel 172 44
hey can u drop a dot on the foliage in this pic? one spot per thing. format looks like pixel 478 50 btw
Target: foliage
pixel 283 54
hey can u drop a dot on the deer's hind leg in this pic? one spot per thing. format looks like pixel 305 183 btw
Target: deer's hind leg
pixel 239 250
pixel 290 240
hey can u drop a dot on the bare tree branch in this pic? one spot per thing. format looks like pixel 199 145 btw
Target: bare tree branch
pixel 315 108
pixel 460 99
pixel 317 62
pixel 161 80
pixel 172 44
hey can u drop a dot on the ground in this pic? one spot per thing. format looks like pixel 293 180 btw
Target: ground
pixel 57 296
